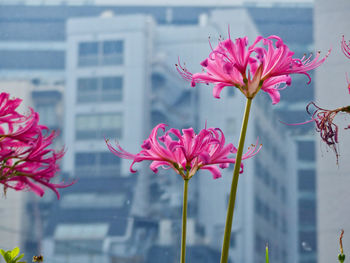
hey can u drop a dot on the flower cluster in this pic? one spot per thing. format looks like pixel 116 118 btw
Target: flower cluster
pixel 186 153
pixel 26 161
pixel 266 64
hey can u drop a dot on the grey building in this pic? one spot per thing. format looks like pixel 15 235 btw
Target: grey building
pixel 103 67
pixel 331 92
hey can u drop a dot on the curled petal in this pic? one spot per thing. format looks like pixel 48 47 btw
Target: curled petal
pixel 345 47
pixel 215 171
pixel 217 90
pixel 155 164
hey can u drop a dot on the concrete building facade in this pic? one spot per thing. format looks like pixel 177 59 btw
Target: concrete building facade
pixel 330 93
pixel 107 65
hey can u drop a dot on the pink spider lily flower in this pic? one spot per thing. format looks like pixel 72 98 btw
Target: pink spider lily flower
pixel 251 68
pixel 185 153
pixel 26 159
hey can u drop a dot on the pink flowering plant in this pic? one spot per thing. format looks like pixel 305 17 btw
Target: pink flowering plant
pixel 26 159
pixel 265 65
pixel 185 153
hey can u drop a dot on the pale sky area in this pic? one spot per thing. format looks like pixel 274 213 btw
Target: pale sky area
pixel 160 2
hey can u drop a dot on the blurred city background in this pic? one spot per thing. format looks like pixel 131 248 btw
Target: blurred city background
pixel 95 69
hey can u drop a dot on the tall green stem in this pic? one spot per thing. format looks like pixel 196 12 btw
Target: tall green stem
pixel 267 254
pixel 232 199
pixel 184 222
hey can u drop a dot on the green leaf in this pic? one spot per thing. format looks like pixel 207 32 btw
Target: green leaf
pixel 2 252
pixel 8 257
pixel 19 257
pixel 14 252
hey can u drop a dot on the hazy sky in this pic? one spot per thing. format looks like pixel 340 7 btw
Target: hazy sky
pixel 160 2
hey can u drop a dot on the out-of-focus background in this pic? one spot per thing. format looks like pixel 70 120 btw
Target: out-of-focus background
pixel 98 68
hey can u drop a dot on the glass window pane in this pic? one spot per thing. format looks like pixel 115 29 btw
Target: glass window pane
pixel 108 159
pixel 307 241
pixel 88 54
pixel 306 150
pixel 89 122
pixel 47 113
pixel 112 52
pixel 113 47
pixel 87 90
pixel 82 159
pixel 112 88
pixel 307 212
pixel 111 121
pixel 86 127
pixel 88 48
pixel 306 180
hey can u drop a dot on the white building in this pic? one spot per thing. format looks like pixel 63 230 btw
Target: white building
pixel 110 65
pixel 120 82
pixel 333 180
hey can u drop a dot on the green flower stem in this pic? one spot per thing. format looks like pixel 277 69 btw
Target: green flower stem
pixel 341 256
pixel 232 199
pixel 267 254
pixel 184 221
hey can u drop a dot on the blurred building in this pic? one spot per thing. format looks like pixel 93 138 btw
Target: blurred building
pixel 120 81
pixel 331 92
pixel 111 67
pixel 295 26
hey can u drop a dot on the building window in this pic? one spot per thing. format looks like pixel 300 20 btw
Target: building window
pixel 87 90
pixel 112 52
pixel 306 180
pixel 101 53
pixel 307 242
pixel 88 54
pixel 98 126
pixel 283 194
pixel 306 151
pixel 258 206
pixel 79 238
pixel 48 115
pixel 99 89
pixel 93 200
pixel 96 164
pixel 111 88
pixel 307 212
